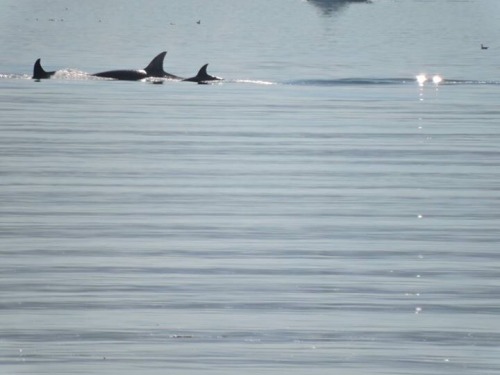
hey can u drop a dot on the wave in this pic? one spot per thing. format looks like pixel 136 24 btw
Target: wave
pixel 384 81
pixel 64 74
pixel 468 82
pixel 253 81
pixel 14 76
pixel 72 74
pixel 351 81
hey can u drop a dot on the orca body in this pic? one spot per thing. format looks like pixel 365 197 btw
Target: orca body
pixel 39 72
pixel 202 76
pixel 154 69
pixel 123 75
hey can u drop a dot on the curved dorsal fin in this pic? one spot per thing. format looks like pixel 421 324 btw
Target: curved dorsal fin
pixel 203 71
pixel 202 76
pixel 155 67
pixel 39 72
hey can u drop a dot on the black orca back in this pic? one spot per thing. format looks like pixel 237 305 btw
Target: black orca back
pixel 123 75
pixel 154 69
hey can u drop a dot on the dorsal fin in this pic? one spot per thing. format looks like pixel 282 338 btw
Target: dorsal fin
pixel 202 73
pixel 202 76
pixel 39 72
pixel 155 67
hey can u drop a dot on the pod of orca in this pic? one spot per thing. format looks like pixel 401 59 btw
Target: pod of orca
pixel 153 70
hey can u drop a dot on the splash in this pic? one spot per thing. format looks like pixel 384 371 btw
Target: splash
pixel 255 82
pixel 71 74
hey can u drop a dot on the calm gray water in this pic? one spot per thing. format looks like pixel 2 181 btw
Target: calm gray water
pixel 318 212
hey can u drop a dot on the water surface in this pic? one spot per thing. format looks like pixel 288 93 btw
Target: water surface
pixel 318 212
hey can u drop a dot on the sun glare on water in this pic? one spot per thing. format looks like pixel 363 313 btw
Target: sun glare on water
pixel 437 79
pixel 422 78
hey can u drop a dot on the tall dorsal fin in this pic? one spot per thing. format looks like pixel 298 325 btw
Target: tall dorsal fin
pixel 39 72
pixel 202 73
pixel 155 67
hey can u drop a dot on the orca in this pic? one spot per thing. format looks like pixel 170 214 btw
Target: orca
pixel 202 76
pixel 39 72
pixel 154 69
